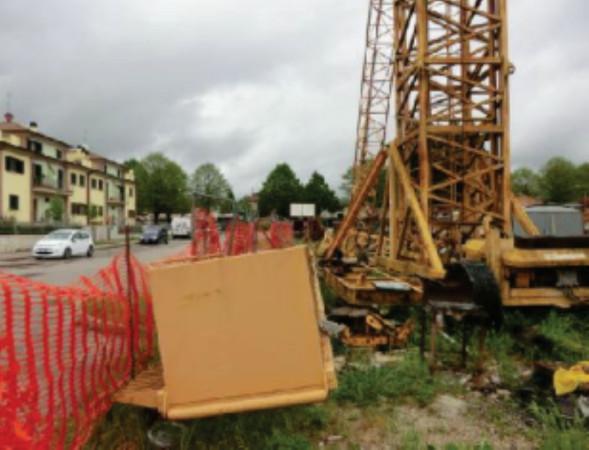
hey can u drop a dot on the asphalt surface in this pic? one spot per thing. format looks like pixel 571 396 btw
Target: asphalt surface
pixel 63 272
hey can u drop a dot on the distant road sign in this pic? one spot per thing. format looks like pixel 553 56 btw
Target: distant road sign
pixel 302 210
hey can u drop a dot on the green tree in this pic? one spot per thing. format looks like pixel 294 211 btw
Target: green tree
pixel 93 213
pixel 346 185
pixel 208 181
pixel 244 207
pixel 583 180
pixel 317 191
pixel 56 209
pixel 166 186
pixel 525 181
pixel 281 188
pixel 558 181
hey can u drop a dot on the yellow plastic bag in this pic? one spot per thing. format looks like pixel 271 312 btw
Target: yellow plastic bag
pixel 568 380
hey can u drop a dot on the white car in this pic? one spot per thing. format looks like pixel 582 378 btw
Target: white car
pixel 64 243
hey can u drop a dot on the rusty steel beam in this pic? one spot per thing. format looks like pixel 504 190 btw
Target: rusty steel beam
pixel 452 115
pixel 376 87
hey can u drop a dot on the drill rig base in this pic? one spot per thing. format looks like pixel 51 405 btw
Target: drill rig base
pixel 365 327
pixel 363 290
pixel 468 295
pixel 357 286
pixel 538 271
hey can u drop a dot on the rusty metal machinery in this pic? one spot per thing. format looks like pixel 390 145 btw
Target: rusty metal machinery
pixel 376 86
pixel 451 154
pixel 448 199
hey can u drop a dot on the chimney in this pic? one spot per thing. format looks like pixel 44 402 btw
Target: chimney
pixel 8 117
pixel 33 125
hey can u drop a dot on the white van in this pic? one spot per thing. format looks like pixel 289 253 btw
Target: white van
pixel 181 227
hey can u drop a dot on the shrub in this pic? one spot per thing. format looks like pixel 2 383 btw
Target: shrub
pixel 7 228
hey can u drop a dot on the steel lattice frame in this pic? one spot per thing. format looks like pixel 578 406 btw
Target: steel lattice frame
pixel 377 79
pixel 452 114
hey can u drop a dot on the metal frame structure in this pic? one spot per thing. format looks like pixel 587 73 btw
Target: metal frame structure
pixel 449 201
pixel 376 87
pixel 452 113
pixel 449 165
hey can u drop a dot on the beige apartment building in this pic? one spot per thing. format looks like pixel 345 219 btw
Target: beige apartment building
pixel 35 168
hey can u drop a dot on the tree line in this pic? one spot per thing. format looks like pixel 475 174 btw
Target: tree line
pixel 163 187
pixel 558 181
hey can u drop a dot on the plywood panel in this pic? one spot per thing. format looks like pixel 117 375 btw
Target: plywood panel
pixel 239 328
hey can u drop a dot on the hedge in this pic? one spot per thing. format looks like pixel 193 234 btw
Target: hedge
pixel 7 228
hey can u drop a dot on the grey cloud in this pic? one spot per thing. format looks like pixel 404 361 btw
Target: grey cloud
pixel 250 84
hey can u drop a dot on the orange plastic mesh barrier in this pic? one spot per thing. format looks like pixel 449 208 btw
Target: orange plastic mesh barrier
pixel 239 238
pixel 281 234
pixel 206 240
pixel 65 350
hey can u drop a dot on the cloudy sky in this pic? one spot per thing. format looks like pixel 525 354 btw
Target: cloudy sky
pixel 249 84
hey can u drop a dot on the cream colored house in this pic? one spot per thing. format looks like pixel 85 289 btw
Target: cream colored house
pixel 36 168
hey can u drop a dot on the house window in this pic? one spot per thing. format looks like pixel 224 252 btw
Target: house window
pixel 131 214
pixel 73 179
pixel 100 185
pixel 37 174
pixel 14 165
pixel 58 154
pixel 79 209
pixel 35 146
pixel 82 180
pixel 130 192
pixel 13 202
pixel 94 183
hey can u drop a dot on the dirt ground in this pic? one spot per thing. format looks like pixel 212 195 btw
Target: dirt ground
pixel 463 421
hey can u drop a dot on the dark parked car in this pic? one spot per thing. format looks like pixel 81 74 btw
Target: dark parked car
pixel 154 234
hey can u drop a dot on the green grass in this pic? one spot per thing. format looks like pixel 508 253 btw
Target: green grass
pixel 281 429
pixel 569 334
pixel 552 335
pixel 557 432
pixel 413 441
pixel 527 336
pixel 296 428
pixel 501 346
pixel 408 380
pixel 329 297
pixel 548 334
pixel 124 427
pixel 287 428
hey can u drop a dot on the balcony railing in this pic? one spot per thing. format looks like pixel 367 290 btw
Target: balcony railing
pixel 47 182
pixel 115 193
pixel 116 199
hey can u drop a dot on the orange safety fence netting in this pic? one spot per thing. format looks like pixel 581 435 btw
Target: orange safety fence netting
pixel 65 350
pixel 281 234
pixel 239 238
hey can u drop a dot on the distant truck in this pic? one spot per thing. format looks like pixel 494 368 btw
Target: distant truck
pixel 181 227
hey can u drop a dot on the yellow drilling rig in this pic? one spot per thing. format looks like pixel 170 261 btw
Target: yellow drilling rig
pixel 440 233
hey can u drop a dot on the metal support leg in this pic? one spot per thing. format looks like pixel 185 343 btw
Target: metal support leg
pixel 422 338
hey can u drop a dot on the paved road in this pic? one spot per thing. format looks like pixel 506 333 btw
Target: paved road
pixel 65 272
